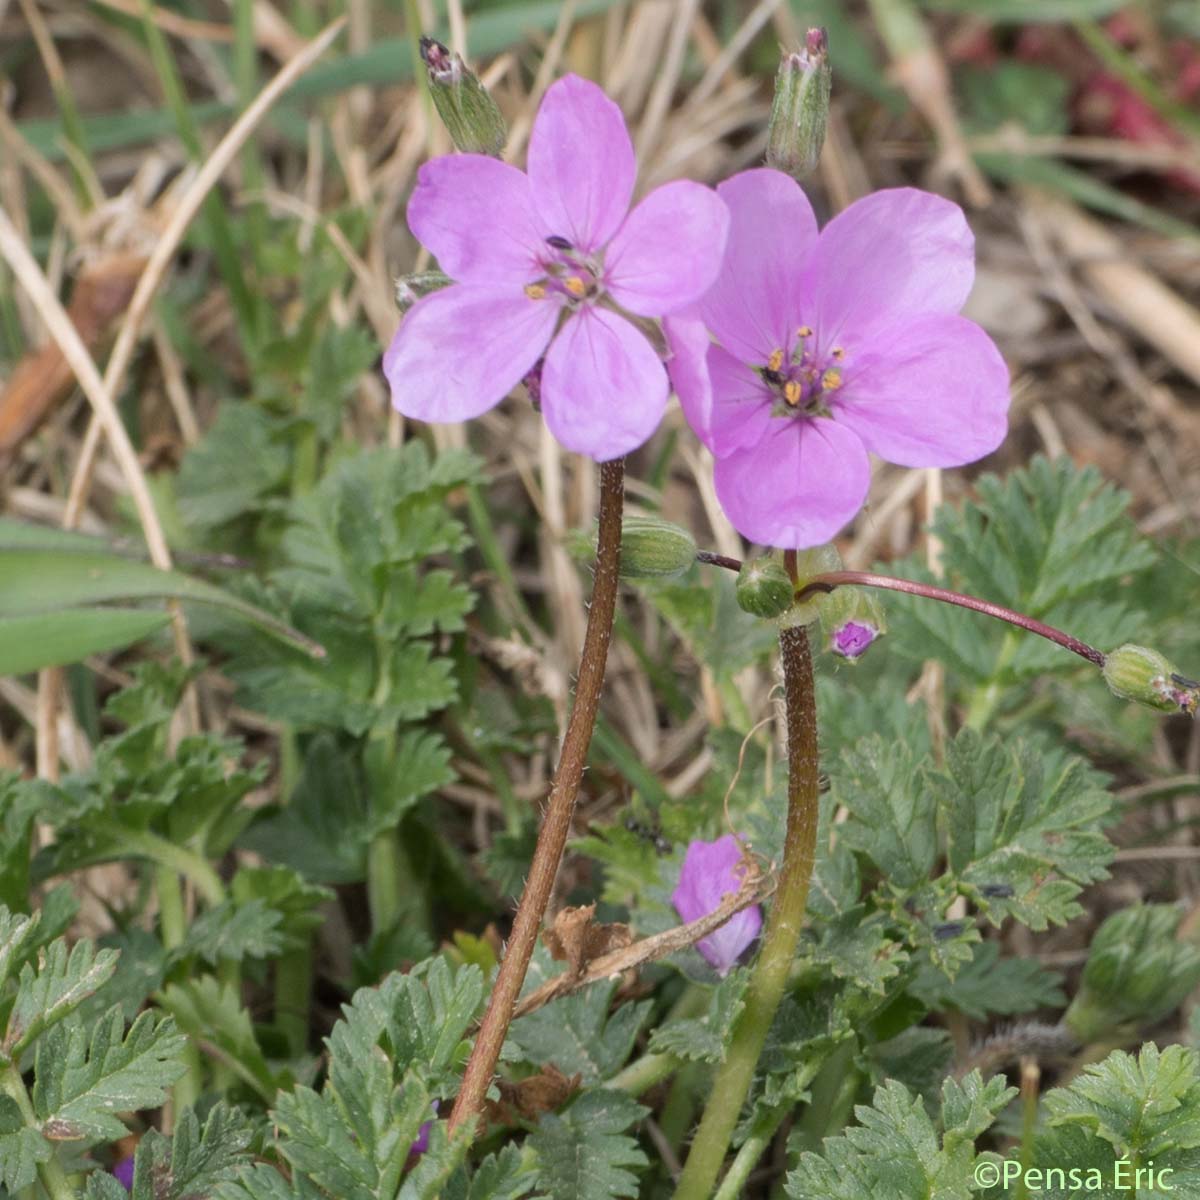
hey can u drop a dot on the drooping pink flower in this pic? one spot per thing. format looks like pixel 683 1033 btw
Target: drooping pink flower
pixel 709 874
pixel 552 258
pixel 831 345
pixel 851 639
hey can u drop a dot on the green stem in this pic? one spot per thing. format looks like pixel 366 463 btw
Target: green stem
pixel 731 1084
pixel 54 1178
pixel 560 807
pixel 293 996
pixel 643 1073
pixel 751 1150
pixel 383 879
pixel 172 922
pixel 176 861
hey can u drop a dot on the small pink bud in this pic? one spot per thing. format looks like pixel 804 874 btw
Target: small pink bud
pixel 852 639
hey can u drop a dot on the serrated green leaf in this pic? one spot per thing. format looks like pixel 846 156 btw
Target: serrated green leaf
pixel 211 1012
pixel 397 777
pixel 325 843
pixel 241 459
pixel 1022 828
pixel 233 931
pixel 82 1081
pixel 22 1148
pixel 577 1034
pixel 989 984
pixel 1145 1107
pixel 892 814
pixel 64 980
pixel 704 1039
pixel 195 1160
pixel 895 1151
pixel 584 1153
pixel 285 892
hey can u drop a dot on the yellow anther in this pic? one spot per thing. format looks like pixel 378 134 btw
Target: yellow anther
pixel 791 392
pixel 775 361
pixel 575 285
pixel 805 331
pixel 839 353
pixel 535 291
pixel 831 380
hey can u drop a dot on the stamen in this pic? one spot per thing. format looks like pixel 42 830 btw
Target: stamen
pixel 831 380
pixel 575 286
pixel 535 291
pixel 805 331
pixel 792 393
pixel 775 361
pixel 838 353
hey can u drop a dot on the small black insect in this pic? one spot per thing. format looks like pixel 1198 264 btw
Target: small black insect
pixel 948 929
pixel 997 891
pixel 651 833
pixel 558 242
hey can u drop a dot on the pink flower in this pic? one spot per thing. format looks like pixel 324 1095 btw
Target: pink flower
pixel 552 258
pixel 709 874
pixel 830 346
pixel 852 639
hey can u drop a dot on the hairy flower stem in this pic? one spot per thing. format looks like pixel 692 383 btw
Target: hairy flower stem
pixel 732 1080
pixel 560 807
pixel 832 579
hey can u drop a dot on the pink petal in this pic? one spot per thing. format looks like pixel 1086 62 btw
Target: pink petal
pixel 755 305
pixel 581 164
pixel 476 215
pixel 603 387
pixel 709 873
pixel 895 252
pixel 668 252
pixel 931 391
pixel 798 486
pixel 460 351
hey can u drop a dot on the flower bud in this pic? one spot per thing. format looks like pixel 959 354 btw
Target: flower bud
pixel 1138 970
pixel 652 548
pixel 467 110
pixel 800 109
pixel 1138 673
pixel 764 587
pixel 852 619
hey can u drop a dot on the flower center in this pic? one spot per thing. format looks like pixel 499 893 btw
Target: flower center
pixel 569 273
pixel 802 378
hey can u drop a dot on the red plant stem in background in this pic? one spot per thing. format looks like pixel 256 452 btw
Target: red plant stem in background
pixel 832 579
pixel 560 807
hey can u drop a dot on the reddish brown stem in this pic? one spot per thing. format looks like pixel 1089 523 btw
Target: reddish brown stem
pixel 833 579
pixel 560 807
